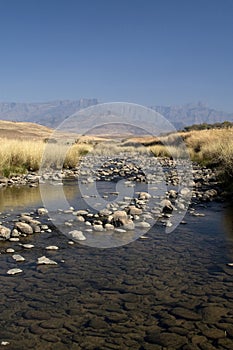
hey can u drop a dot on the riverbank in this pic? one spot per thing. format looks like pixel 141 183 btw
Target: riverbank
pixel 20 159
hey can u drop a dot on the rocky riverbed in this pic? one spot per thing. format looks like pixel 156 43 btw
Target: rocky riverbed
pixel 169 289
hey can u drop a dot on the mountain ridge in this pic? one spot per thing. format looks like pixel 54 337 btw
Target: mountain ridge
pixel 52 113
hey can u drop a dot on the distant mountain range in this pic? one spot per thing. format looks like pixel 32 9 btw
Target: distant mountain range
pixel 51 114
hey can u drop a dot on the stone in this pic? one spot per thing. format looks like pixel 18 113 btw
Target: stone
pixel 109 227
pixel 51 247
pixel 144 195
pixel 98 228
pixel 42 211
pixel 29 220
pixel 172 194
pixel 128 225
pixel 143 224
pixel 186 314
pixel 45 261
pixel 28 246
pixel 166 339
pixel 10 250
pixel 166 205
pixel 15 233
pixel 18 257
pixel 213 313
pixel 105 212
pixel 214 333
pixel 5 233
pixel 24 228
pixel 133 210
pixel 4 343
pixel 80 218
pixel 185 192
pixel 14 271
pixel 75 234
pixel 81 212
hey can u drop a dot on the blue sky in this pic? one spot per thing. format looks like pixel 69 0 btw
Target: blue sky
pixel 151 52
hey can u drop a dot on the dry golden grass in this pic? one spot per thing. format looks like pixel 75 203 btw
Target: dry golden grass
pixel 19 156
pixel 23 130
pixel 22 147
pixel 210 147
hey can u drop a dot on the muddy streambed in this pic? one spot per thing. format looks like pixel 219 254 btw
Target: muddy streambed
pixel 168 291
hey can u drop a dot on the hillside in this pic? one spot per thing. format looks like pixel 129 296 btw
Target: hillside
pixel 23 130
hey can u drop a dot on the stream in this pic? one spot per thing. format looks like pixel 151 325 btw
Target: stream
pixel 167 291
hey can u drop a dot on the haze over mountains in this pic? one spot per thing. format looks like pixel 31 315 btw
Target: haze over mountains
pixel 52 113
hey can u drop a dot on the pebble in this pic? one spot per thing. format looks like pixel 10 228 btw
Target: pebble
pixel 18 257
pixel 14 271
pixel 52 247
pixel 75 234
pixel 28 245
pixel 98 228
pixel 10 250
pixel 45 261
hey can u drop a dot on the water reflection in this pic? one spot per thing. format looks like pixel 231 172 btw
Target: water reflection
pixel 23 197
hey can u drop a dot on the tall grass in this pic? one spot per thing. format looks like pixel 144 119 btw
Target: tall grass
pixel 20 156
pixel 212 147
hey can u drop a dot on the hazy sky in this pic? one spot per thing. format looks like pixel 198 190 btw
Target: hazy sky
pixel 152 52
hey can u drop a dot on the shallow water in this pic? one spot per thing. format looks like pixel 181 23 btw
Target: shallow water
pixel 170 291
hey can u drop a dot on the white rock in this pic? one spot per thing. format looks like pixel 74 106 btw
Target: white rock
pixel 168 224
pixel 75 234
pixel 18 257
pixel 128 225
pixel 80 218
pixel 81 212
pixel 67 223
pixel 88 223
pixel 98 228
pixel 14 271
pixel 4 343
pixel 51 247
pixel 28 246
pixel 144 195
pixel 42 211
pixel 10 250
pixel 109 227
pixel 45 261
pixel 143 224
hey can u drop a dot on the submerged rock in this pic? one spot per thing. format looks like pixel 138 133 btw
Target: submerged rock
pixel 75 234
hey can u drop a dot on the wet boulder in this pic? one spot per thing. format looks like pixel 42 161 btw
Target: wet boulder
pixel 5 233
pixel 167 206
pixel 23 227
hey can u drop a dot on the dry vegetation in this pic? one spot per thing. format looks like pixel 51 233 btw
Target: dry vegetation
pixel 209 147
pixel 22 146
pixel 19 156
